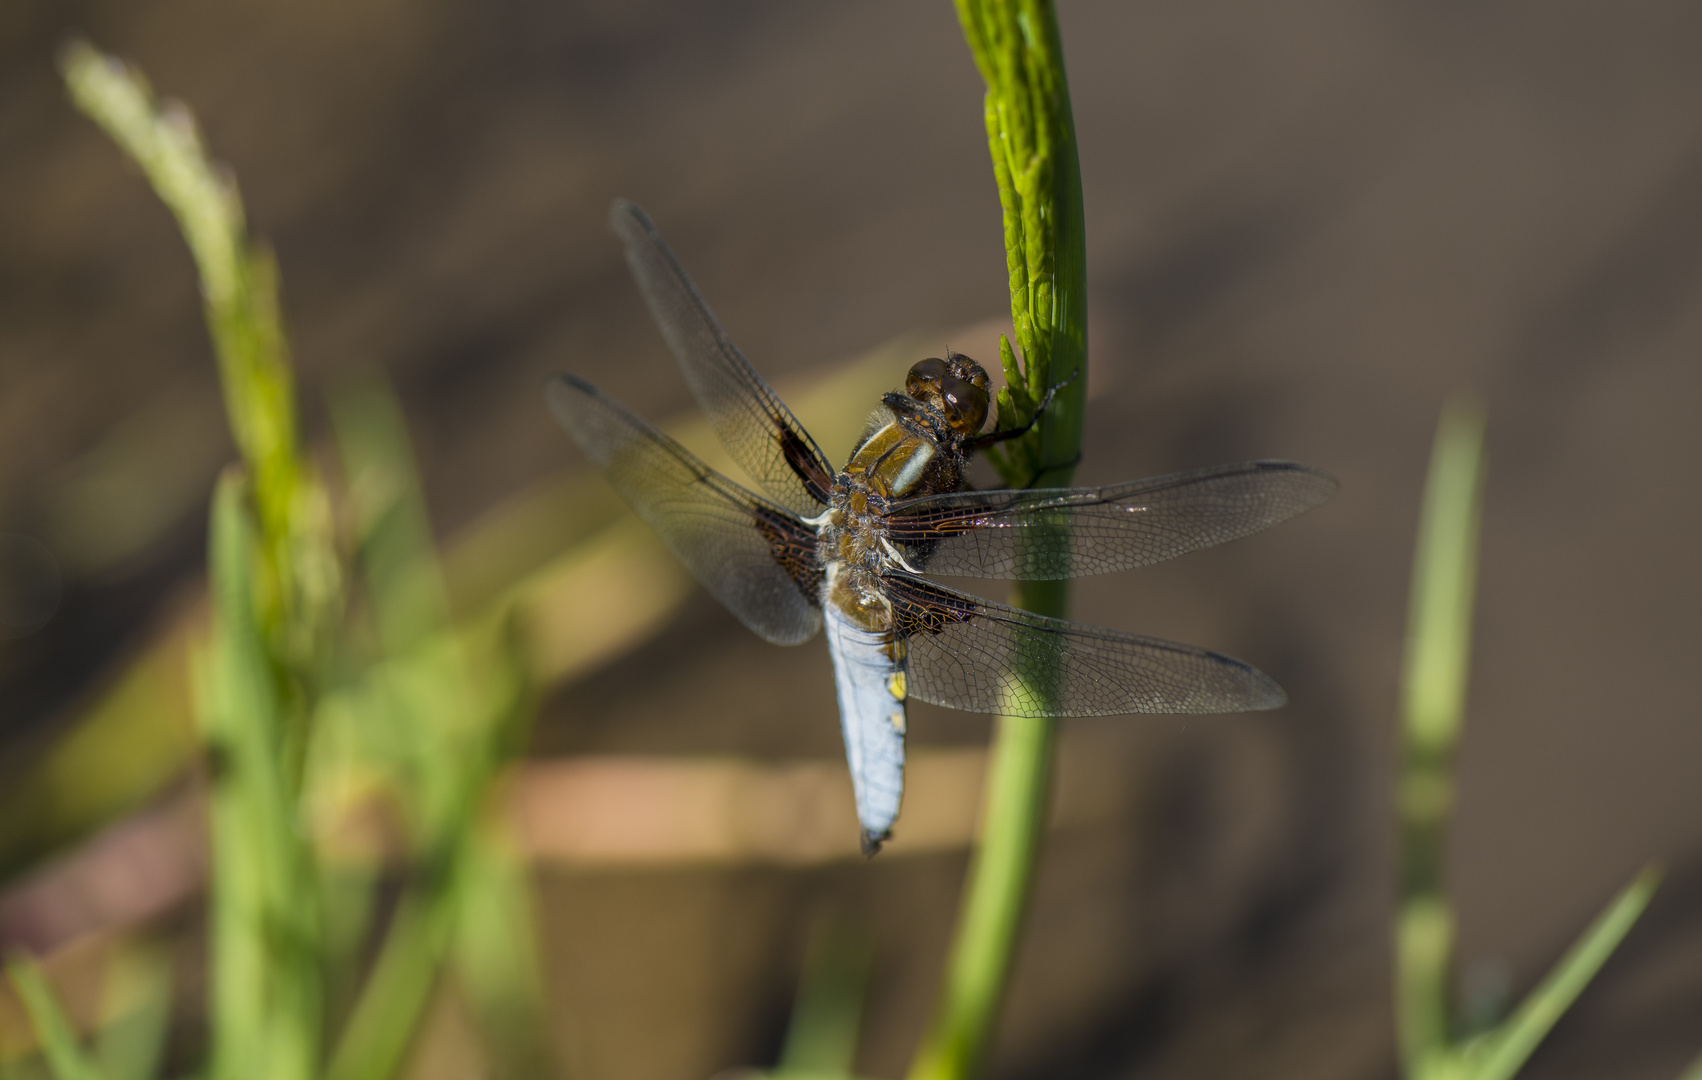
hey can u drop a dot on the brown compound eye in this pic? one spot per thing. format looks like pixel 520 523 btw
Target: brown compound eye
pixel 925 376
pixel 965 404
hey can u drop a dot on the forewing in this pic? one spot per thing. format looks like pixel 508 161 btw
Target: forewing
pixel 753 556
pixel 756 427
pixel 968 653
pixel 1033 535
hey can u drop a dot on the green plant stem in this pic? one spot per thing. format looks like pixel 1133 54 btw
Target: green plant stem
pixel 239 287
pixel 821 1038
pixel 1031 139
pixel 978 969
pixel 238 281
pixel 1433 698
pixel 1432 712
pixel 267 994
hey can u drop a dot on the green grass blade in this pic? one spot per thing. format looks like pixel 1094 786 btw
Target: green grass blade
pixel 240 292
pixel 266 992
pixel 1433 690
pixel 237 282
pixel 137 1014
pixel 438 717
pixel 58 1038
pixel 495 955
pixel 375 1043
pixel 821 1039
pixel 1504 1051
pixel 398 560
pixel 1694 1072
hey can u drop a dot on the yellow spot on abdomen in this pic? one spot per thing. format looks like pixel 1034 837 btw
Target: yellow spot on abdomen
pixel 895 685
pixel 897 721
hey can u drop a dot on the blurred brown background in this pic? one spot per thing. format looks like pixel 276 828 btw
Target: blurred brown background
pixel 1309 222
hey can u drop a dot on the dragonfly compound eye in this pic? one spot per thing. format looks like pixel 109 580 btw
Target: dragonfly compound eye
pixel 965 404
pixel 925 376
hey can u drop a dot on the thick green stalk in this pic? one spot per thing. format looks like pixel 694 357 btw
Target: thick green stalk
pixel 978 969
pixel 1031 139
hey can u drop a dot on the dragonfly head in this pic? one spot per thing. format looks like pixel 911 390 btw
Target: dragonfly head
pixel 956 387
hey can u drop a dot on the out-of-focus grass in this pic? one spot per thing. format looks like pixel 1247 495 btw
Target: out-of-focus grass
pixel 319 682
pixel 264 922
pixel 1433 695
pixel 1031 139
pixel 821 1039
pixel 65 1055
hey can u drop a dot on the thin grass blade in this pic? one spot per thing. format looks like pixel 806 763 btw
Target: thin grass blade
pixel 65 1055
pixel 1502 1053
pixel 821 1039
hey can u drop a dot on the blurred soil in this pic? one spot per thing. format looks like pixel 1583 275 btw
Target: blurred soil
pixel 1310 221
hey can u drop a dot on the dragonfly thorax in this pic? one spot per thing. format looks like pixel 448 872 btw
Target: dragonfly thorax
pixel 852 555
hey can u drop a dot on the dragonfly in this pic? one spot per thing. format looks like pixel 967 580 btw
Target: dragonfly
pixel 854 551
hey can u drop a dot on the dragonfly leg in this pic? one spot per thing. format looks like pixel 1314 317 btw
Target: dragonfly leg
pixel 993 437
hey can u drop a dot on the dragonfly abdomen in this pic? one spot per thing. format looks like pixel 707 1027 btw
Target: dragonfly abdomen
pixel 869 675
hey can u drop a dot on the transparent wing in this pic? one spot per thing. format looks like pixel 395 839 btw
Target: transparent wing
pixel 972 654
pixel 1034 535
pixel 753 423
pixel 753 556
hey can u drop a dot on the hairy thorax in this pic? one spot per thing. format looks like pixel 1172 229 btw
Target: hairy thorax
pixel 899 456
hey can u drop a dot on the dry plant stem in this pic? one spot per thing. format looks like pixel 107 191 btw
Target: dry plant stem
pixel 1031 140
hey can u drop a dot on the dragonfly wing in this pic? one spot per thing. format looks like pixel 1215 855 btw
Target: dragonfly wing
pixel 968 653
pixel 1045 534
pixel 756 558
pixel 868 673
pixel 756 427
